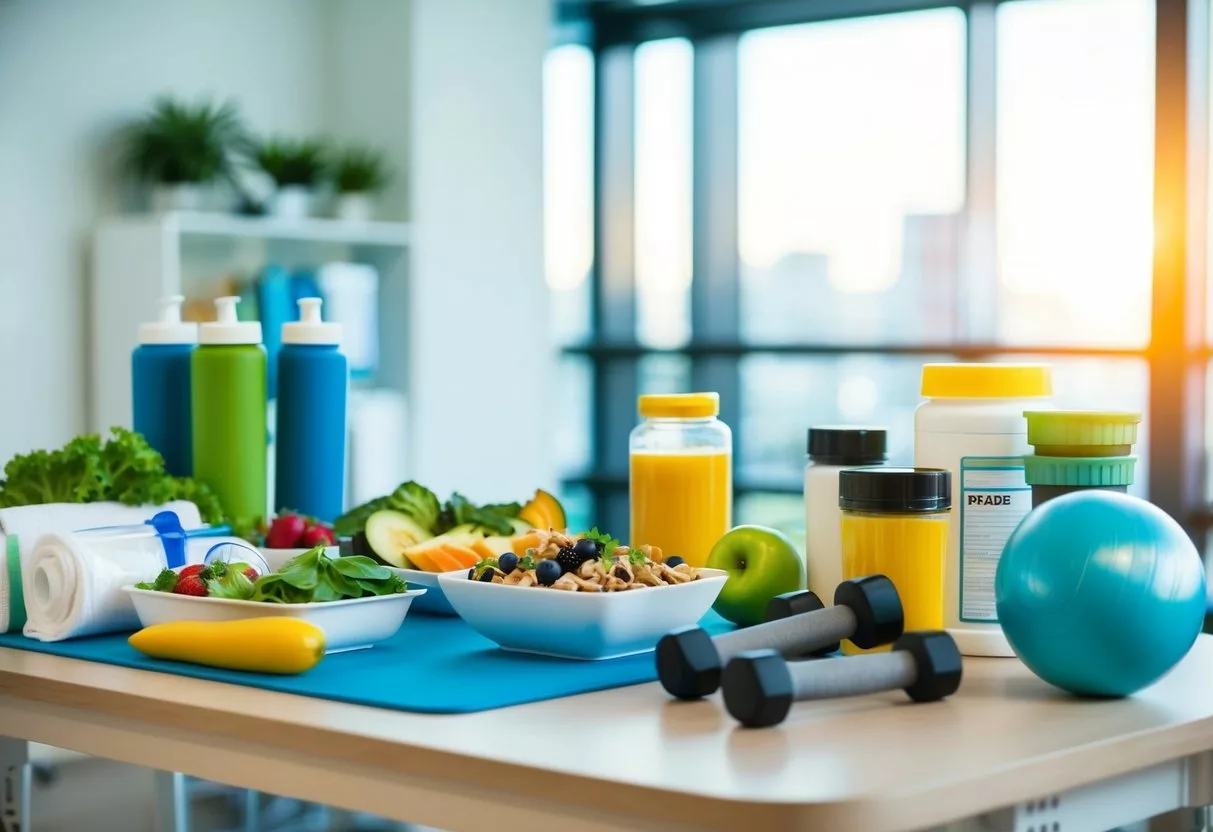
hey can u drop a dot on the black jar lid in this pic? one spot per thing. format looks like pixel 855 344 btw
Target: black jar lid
pixel 847 445
pixel 895 489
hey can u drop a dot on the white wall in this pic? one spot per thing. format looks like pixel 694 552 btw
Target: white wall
pixel 452 89
pixel 482 373
pixel 70 72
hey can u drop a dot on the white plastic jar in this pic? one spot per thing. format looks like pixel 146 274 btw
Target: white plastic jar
pixel 973 425
pixel 831 450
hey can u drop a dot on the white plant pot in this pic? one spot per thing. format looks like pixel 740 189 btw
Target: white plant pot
pixel 355 207
pixel 292 202
pixel 183 196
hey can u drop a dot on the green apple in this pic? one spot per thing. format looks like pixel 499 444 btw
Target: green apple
pixel 761 563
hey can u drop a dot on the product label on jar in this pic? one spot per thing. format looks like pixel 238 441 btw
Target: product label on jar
pixel 994 497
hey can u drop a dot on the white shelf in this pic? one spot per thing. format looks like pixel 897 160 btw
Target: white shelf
pixel 313 229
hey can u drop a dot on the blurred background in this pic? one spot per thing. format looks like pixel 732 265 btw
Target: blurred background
pixel 527 212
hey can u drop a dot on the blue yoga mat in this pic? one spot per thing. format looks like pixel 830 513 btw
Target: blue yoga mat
pixel 433 665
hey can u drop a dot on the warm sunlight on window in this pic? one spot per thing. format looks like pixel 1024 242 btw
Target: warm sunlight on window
pixel 568 138
pixel 847 129
pixel 663 192
pixel 1075 175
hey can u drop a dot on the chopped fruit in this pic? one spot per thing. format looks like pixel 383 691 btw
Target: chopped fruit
pixel 421 560
pixel 507 563
pixel 390 533
pixel 190 571
pixel 192 585
pixel 483 550
pixel 251 574
pixel 285 532
pixel 318 534
pixel 544 512
pixel 548 572
pixel 519 545
pixel 673 561
pixel 444 561
pixel 462 555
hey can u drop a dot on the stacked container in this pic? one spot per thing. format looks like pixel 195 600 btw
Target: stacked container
pixel 972 424
pixel 1078 450
pixel 832 450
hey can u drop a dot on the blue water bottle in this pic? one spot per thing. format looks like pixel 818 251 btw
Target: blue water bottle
pixel 160 386
pixel 313 382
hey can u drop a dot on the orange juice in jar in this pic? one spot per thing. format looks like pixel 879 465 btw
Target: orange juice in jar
pixel 681 475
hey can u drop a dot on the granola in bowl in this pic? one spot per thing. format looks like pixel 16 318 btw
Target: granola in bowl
pixel 591 562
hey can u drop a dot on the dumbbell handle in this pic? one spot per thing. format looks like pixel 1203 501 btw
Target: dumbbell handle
pixel 853 675
pixel 794 635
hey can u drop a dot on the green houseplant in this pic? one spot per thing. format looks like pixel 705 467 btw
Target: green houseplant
pixel 359 172
pixel 180 148
pixel 298 167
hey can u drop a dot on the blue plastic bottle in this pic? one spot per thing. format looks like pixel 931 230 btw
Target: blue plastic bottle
pixel 313 383
pixel 160 386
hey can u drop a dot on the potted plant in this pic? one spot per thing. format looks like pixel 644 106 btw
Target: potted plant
pixel 297 168
pixel 358 173
pixel 180 149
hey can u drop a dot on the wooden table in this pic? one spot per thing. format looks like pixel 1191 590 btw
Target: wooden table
pixel 1006 753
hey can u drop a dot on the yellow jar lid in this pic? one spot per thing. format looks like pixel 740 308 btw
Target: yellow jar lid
pixel 986 381
pixel 679 405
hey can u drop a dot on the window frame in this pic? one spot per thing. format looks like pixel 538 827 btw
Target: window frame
pixel 1177 355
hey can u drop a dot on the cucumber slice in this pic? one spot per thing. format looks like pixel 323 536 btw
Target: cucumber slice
pixel 389 533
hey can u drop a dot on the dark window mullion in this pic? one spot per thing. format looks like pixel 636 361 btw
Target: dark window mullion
pixel 715 260
pixel 615 379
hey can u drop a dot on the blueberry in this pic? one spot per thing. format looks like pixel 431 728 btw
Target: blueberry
pixel 587 549
pixel 472 574
pixel 486 576
pixel 674 561
pixel 507 563
pixel 548 571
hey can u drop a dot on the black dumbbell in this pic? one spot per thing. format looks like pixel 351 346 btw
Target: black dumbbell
pixel 795 603
pixel 866 610
pixel 760 685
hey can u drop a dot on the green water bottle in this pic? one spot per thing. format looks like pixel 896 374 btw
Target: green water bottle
pixel 228 393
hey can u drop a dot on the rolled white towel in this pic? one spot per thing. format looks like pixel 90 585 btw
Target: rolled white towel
pixel 73 584
pixel 23 525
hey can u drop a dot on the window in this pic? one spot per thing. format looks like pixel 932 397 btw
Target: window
pixel 799 203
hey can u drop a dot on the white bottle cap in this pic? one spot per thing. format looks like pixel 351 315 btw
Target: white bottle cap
pixel 227 329
pixel 309 329
pixel 169 329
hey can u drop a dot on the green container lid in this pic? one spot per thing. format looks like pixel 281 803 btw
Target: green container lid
pixel 1082 433
pixel 1090 472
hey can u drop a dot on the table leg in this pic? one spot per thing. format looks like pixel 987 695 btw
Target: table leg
pixel 17 774
pixel 172 802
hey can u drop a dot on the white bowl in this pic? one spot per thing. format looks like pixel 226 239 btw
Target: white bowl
pixel 277 558
pixel 579 625
pixel 350 624
pixel 434 601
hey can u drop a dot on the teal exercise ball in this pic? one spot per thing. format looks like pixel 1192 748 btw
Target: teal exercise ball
pixel 1100 593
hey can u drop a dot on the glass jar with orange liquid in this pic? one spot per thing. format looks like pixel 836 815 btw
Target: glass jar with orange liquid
pixel 681 475
pixel 895 523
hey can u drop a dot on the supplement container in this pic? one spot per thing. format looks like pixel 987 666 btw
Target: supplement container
pixel 972 424
pixel 1052 476
pixel 230 427
pixel 1076 433
pixel 160 386
pixel 309 443
pixel 895 523
pixel 831 449
pixel 680 477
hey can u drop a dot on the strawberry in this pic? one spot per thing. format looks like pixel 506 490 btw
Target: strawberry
pixel 317 534
pixel 190 571
pixel 193 585
pixel 285 531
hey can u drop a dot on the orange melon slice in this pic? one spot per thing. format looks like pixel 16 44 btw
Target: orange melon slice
pixel 520 544
pixel 444 561
pixel 462 555
pixel 544 512
pixel 421 559
pixel 483 549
